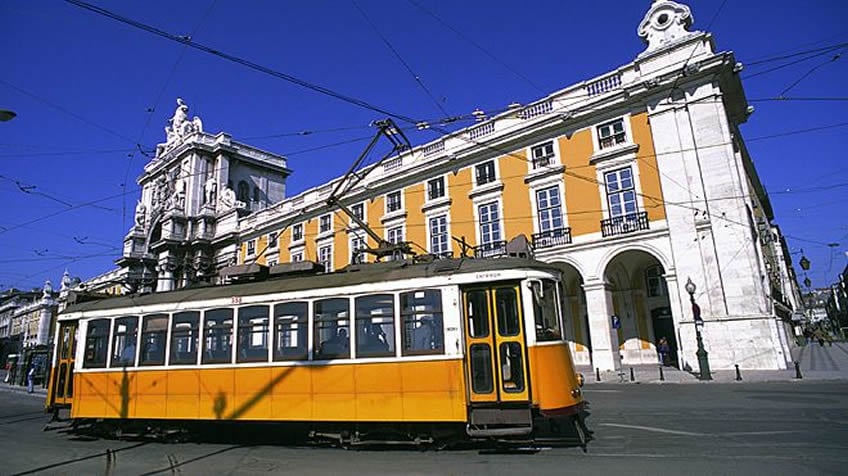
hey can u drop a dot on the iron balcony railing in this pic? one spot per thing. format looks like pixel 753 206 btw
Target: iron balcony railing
pixel 549 238
pixel 489 250
pixel 624 224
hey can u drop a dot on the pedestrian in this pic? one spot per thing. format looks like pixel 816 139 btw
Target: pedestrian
pixel 30 378
pixel 663 349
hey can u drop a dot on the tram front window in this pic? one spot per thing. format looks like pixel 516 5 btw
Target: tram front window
pixel 96 342
pixel 545 310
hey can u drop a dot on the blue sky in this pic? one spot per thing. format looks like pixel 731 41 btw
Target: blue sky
pixel 87 89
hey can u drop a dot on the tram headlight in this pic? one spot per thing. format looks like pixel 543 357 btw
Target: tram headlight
pixel 580 379
pixel 576 392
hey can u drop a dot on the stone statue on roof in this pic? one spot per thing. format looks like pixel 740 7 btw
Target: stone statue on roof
pixel 179 127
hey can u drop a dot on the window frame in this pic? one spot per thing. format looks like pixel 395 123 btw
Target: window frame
pixel 364 348
pixel 143 360
pixel 328 261
pixel 545 221
pixel 317 321
pixel 497 221
pixel 616 138
pixel 325 224
pixel 441 188
pixel 433 236
pixel 96 361
pixel 193 331
pixel 490 175
pixel 245 351
pixel 547 157
pixel 251 247
pixel 415 312
pixel 302 323
pixel 622 192
pixel 394 202
pixel 119 362
pixel 207 357
pixel 297 232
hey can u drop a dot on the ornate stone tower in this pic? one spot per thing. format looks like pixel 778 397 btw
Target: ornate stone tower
pixel 193 192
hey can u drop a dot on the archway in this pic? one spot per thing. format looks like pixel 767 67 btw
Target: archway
pixel 641 305
pixel 575 317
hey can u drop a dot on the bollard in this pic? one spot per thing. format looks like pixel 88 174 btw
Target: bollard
pixel 597 375
pixel 798 370
pixel 632 376
pixel 738 374
pixel 662 377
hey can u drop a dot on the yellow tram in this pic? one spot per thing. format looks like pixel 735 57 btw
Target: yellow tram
pixel 471 346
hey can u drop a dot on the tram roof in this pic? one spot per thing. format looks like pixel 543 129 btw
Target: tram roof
pixel 348 276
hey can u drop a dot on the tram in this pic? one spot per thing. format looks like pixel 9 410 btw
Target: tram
pixel 423 351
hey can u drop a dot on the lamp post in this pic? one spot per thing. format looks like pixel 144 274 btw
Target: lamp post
pixel 703 362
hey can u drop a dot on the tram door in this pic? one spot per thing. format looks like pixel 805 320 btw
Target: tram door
pixel 495 346
pixel 62 385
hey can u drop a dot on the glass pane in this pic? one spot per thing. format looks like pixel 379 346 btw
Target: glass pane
pixel 70 392
pixel 544 308
pixel 290 333
pixel 154 332
pixel 423 332
pixel 185 336
pixel 124 337
pixel 512 368
pixel 96 341
pixel 332 333
pixel 60 381
pixel 481 369
pixel 375 325
pixel 218 336
pixel 253 334
pixel 477 312
pixel 506 306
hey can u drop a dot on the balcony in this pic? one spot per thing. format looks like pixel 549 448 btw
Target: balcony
pixel 490 250
pixel 623 224
pixel 550 238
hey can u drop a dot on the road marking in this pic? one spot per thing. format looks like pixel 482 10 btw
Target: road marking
pixel 755 433
pixel 601 391
pixel 655 429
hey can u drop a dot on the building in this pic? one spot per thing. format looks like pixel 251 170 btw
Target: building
pixel 27 321
pixel 633 182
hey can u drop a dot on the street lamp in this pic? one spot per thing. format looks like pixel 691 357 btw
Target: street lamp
pixel 703 362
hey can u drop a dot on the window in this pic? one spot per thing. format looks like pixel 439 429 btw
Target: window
pixel 253 334
pixel 421 318
pixel 154 331
pixel 290 331
pixel 395 235
pixel 358 211
pixel 375 325
pixel 393 202
pixel 611 134
pixel 325 257
pixel 542 155
pixel 185 337
pixel 477 313
pixel 549 208
pixel 545 310
pixel 655 282
pixel 124 339
pixel 251 247
pixel 96 342
pixel 243 191
pixel 506 307
pixel 439 235
pixel 485 172
pixel 297 232
pixel 490 225
pixel 621 192
pixel 218 336
pixel 325 224
pixel 256 194
pixel 332 329
pixel 436 188
pixel 272 239
pixel 357 244
pixel 295 257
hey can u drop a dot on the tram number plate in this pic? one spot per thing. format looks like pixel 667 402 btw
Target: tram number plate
pixel 486 276
pixel 235 300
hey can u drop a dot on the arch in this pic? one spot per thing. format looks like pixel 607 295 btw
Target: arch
pixel 611 254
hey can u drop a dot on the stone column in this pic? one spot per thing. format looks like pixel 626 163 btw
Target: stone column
pixel 166 273
pixel 605 352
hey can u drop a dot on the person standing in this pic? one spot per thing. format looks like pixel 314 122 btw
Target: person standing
pixel 663 349
pixel 30 378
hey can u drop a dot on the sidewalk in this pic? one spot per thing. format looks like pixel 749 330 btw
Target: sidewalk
pixel 815 363
pixel 8 387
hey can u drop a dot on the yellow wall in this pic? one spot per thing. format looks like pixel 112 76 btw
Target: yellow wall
pixel 649 176
pixel 516 196
pixel 582 196
pixel 416 231
pixel 461 209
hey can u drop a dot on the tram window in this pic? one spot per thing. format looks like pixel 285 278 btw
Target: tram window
pixel 124 337
pixel 545 310
pixel 66 343
pixel 477 312
pixel 153 338
pixel 96 341
pixel 332 329
pixel 253 334
pixel 375 325
pixel 512 367
pixel 481 369
pixel 290 331
pixel 506 305
pixel 421 317
pixel 185 337
pixel 218 337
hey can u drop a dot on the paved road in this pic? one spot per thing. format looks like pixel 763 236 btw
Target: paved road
pixel 755 428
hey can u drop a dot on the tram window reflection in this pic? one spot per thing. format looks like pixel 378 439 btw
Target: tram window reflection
pixel 545 310
pixel 185 337
pixel 96 342
pixel 253 334
pixel 477 313
pixel 290 331
pixel 218 336
pixel 153 338
pixel 332 328
pixel 506 306
pixel 375 325
pixel 124 337
pixel 421 316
